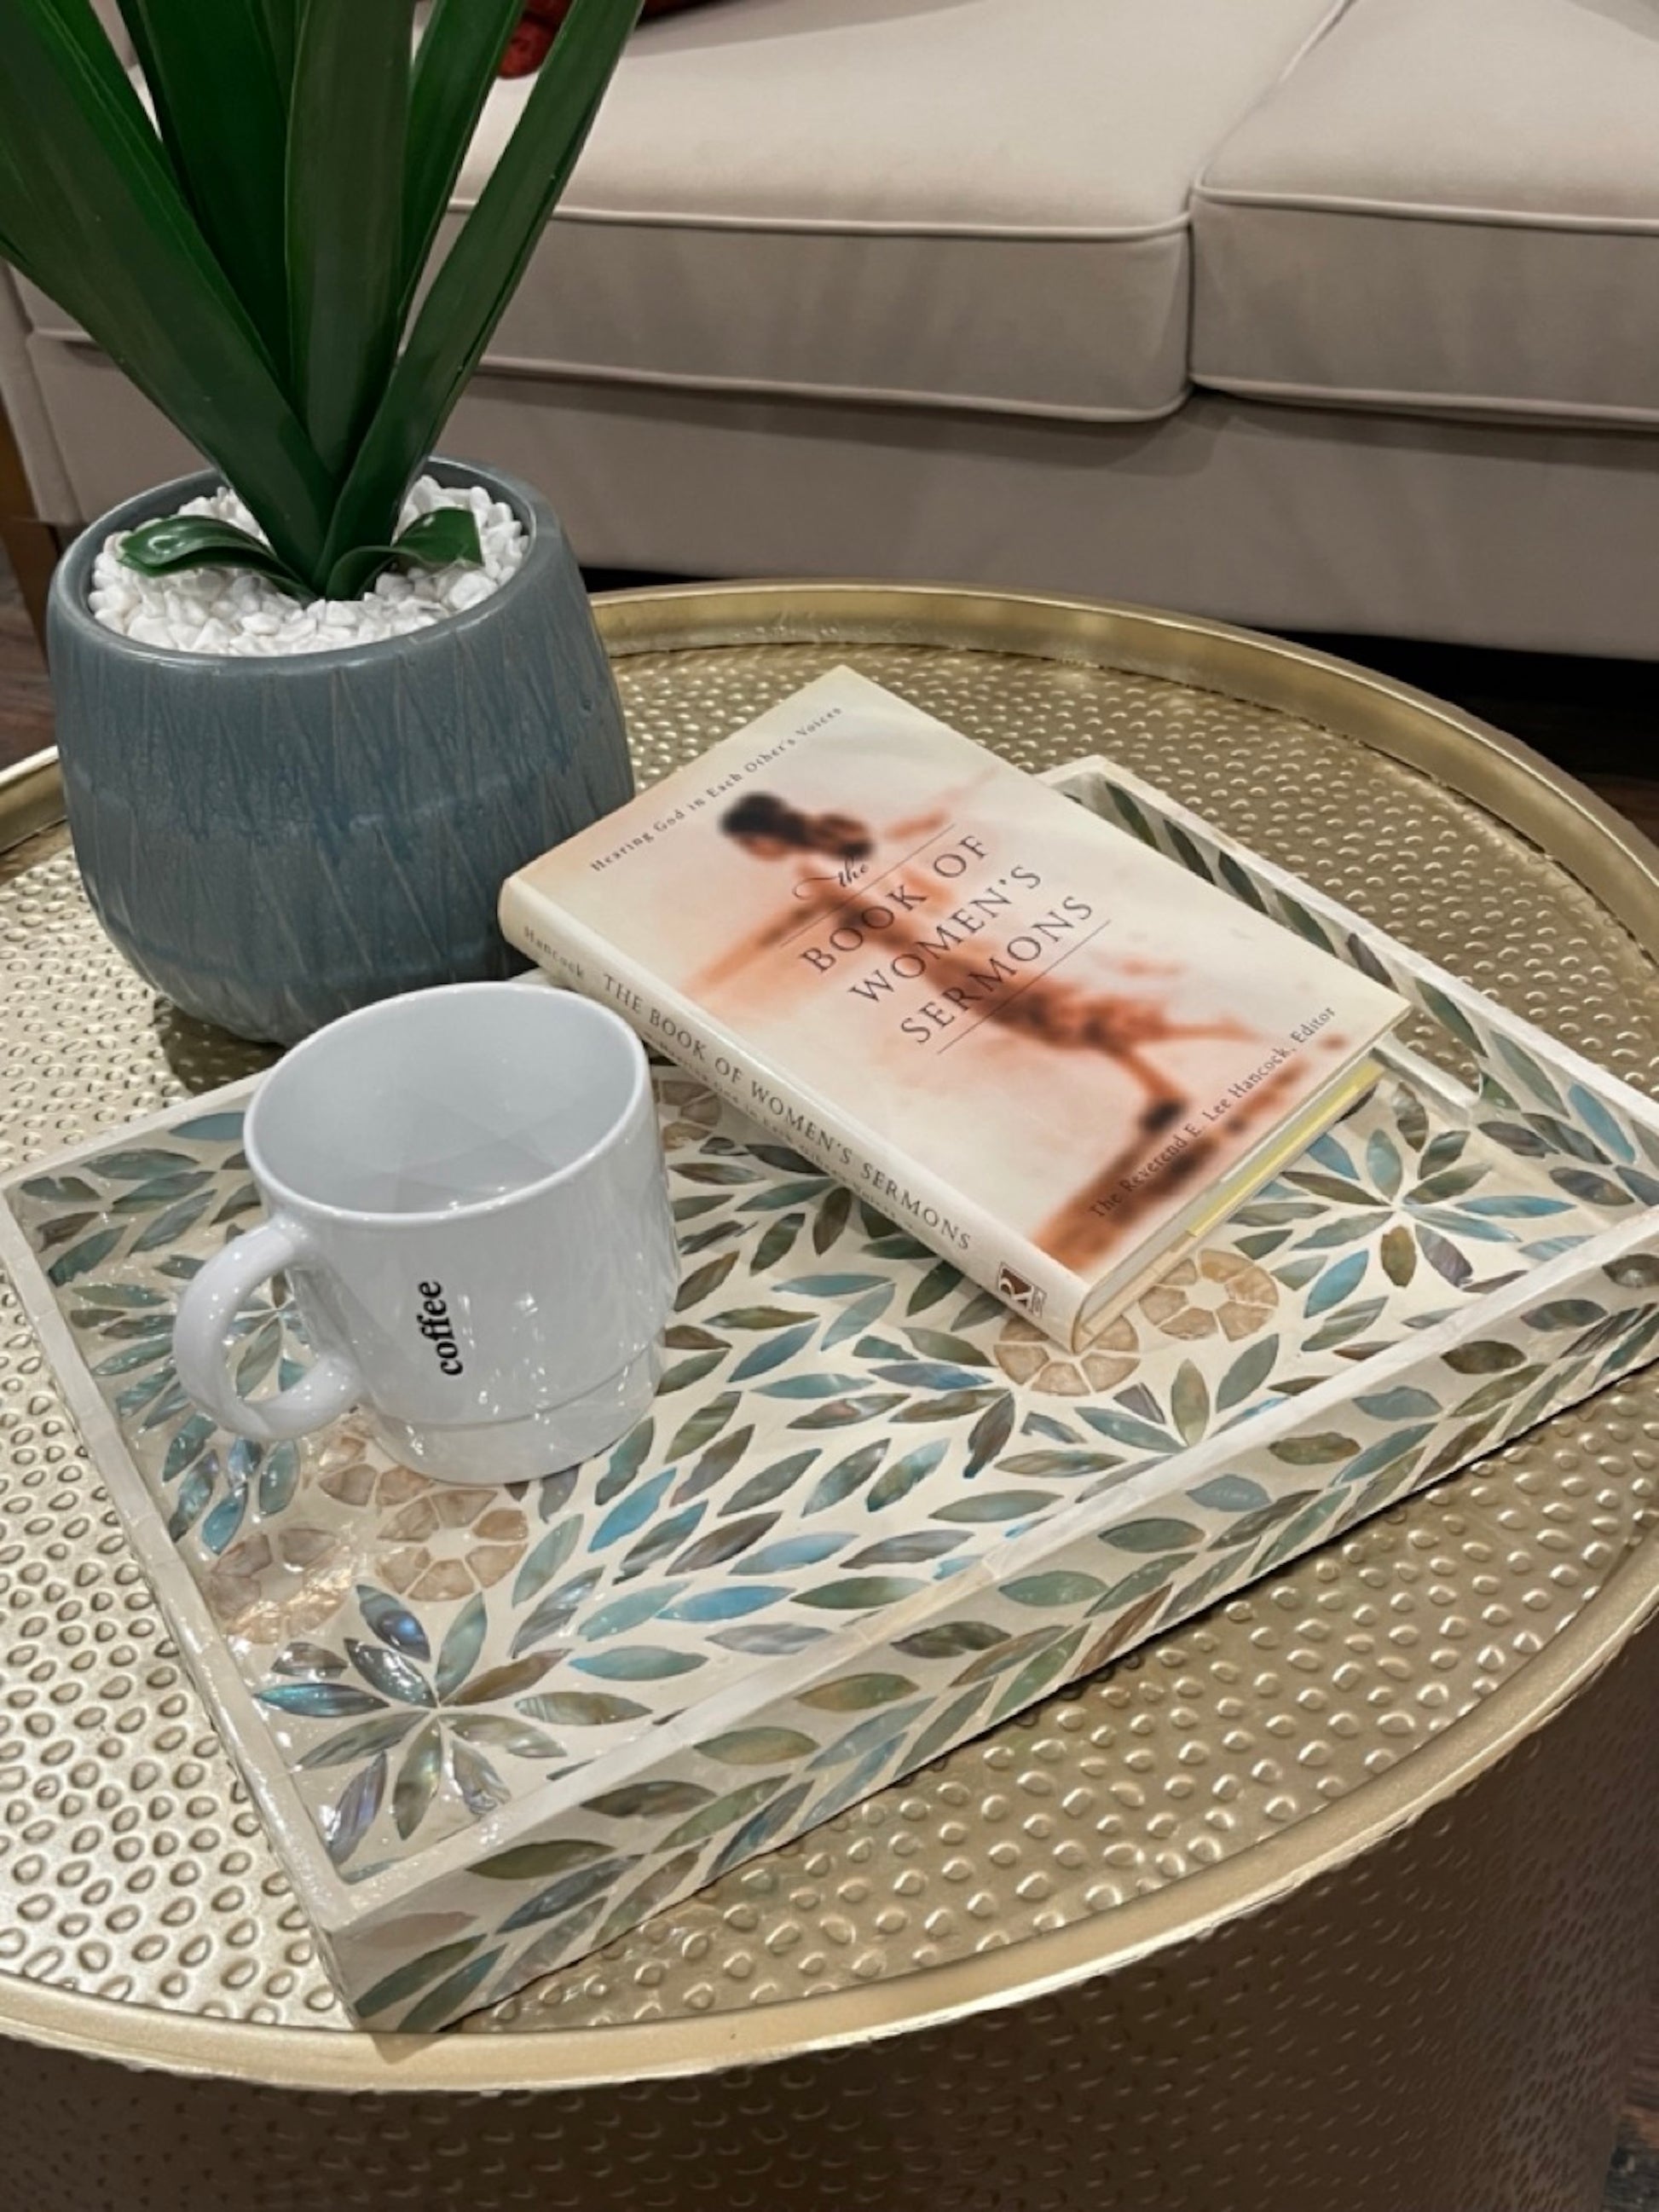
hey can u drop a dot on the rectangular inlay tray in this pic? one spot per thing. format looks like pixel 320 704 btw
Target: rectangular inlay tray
pixel 870 1512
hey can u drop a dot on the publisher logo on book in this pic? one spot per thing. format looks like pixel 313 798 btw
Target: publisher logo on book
pixel 1026 1297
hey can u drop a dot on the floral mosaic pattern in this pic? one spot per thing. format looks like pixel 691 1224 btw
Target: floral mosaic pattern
pixel 870 1512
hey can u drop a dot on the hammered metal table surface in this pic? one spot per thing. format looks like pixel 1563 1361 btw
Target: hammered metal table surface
pixel 131 1864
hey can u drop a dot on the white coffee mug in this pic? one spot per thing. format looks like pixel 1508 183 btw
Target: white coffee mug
pixel 466 1189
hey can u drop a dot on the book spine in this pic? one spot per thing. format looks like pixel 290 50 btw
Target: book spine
pixel 897 1187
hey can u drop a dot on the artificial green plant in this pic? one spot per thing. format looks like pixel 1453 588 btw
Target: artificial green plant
pixel 259 257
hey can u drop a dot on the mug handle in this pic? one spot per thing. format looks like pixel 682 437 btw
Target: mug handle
pixel 201 1354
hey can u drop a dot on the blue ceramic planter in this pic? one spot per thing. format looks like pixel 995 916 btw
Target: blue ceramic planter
pixel 273 841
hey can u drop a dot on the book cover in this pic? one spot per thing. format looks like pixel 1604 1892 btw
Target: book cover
pixel 1027 1039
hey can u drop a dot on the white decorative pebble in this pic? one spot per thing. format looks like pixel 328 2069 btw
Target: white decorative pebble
pixel 471 589
pixel 233 611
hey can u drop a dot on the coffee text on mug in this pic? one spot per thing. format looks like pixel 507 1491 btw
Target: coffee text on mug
pixel 435 1325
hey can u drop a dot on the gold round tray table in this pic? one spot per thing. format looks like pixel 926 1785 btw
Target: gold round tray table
pixel 1342 1896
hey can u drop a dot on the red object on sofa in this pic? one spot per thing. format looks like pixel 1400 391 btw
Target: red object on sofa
pixel 528 48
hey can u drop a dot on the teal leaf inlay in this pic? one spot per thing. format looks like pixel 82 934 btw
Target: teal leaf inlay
pixel 1139 1435
pixel 635 1510
pixel 728 1603
pixel 389 1672
pixel 629 1610
pixel 389 1620
pixel 859 1593
pixel 1155 1533
pixel 451 1995
pixel 773 1481
pixel 1335 1283
pixel 80 1258
pixel 544 1560
pixel 840 1481
pixel 1230 1493
pixel 278 1478
pixel 792 1551
pixel 1401 1403
pixel 403 1981
pixel 1247 1374
pixel 1056 1587
pixel 187 1446
pixel 637 1662
pixel 462 1641
pixel 320 1701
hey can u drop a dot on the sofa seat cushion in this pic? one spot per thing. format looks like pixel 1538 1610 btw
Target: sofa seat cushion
pixel 967 203
pixel 1448 205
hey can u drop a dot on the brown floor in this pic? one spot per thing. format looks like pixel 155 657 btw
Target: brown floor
pixel 1633 2176
pixel 1506 694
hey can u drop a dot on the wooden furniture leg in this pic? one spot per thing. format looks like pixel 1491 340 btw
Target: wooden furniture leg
pixel 31 546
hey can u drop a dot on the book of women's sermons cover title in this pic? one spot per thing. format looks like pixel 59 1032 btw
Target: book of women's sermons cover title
pixel 1045 1050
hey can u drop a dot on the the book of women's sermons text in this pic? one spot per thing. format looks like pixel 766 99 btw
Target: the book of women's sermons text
pixel 1046 1050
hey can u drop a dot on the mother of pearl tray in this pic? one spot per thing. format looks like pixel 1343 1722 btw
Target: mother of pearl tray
pixel 870 1512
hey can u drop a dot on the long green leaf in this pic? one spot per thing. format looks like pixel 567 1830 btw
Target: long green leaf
pixel 175 542
pixel 471 290
pixel 21 247
pixel 347 121
pixel 454 68
pixel 57 49
pixel 80 20
pixel 109 237
pixel 91 62
pixel 30 237
pixel 437 540
pixel 283 29
pixel 222 110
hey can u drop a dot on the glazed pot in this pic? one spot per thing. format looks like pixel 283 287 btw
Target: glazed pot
pixel 273 841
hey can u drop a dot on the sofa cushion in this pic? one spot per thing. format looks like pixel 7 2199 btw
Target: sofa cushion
pixel 1449 205
pixel 964 202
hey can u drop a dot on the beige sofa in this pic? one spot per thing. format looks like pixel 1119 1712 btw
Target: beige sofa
pixel 1304 314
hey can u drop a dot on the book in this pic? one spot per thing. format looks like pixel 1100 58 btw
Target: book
pixel 1051 1054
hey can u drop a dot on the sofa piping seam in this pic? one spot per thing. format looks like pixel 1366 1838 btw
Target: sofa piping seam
pixel 1364 399
pixel 1402 211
